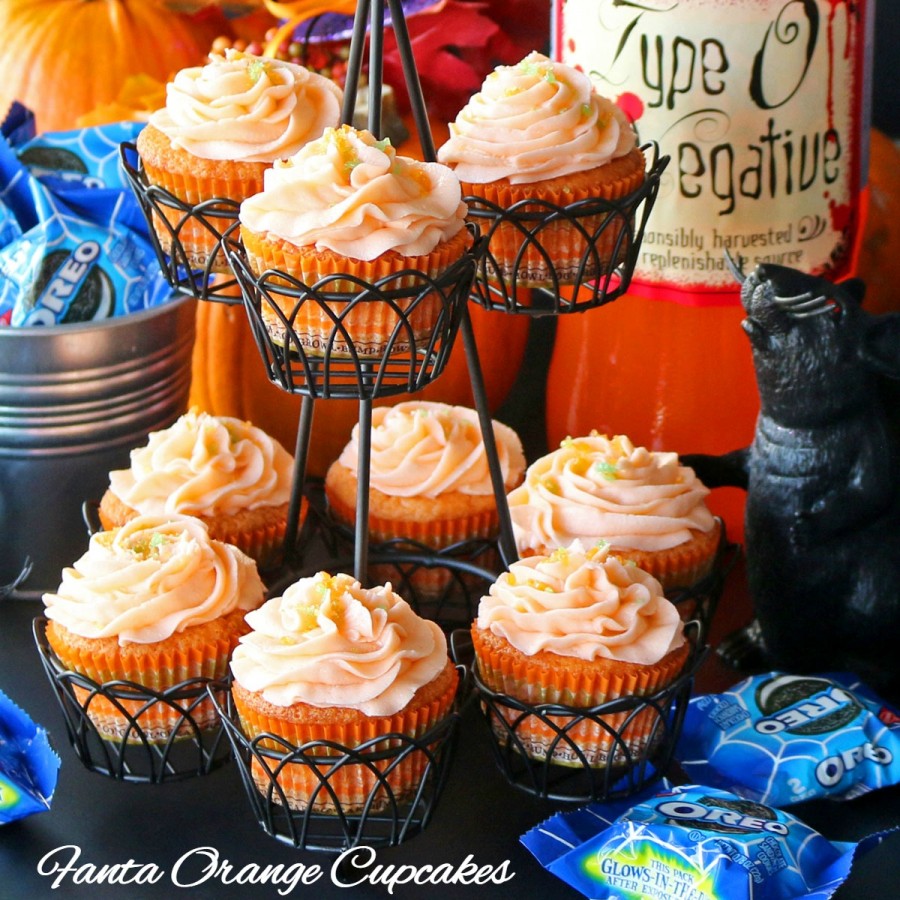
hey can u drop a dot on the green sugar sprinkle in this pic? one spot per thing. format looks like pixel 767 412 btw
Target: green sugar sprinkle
pixel 606 469
pixel 256 68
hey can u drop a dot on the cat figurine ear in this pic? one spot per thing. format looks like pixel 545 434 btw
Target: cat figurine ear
pixel 822 477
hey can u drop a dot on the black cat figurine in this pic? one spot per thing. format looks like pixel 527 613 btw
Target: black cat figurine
pixel 822 526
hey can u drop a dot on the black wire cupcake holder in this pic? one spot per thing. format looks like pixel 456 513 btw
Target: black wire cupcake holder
pixel 578 754
pixel 110 725
pixel 609 233
pixel 204 275
pixel 310 337
pixel 393 809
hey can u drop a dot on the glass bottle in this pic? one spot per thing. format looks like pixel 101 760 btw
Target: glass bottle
pixel 763 107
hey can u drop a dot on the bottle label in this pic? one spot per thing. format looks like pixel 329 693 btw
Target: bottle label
pixel 763 108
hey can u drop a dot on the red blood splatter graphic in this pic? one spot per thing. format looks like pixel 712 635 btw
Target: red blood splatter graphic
pixel 631 105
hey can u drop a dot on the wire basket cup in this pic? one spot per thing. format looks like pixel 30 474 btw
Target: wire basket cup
pixel 131 733
pixel 299 794
pixel 604 235
pixel 605 752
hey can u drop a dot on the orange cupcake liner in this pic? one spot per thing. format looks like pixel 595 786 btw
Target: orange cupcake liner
pixel 564 246
pixel 434 533
pixel 682 566
pixel 198 235
pixel 368 325
pixel 263 544
pixel 146 718
pixel 600 741
pixel 352 786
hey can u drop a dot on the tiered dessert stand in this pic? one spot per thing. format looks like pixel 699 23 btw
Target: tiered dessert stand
pixel 339 369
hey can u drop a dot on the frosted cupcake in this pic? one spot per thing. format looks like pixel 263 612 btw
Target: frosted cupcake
pixel 346 204
pixel 156 603
pixel 332 661
pixel 429 479
pixel 224 471
pixel 578 628
pixel 222 126
pixel 645 504
pixel 539 131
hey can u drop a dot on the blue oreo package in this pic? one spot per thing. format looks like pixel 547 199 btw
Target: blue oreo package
pixel 28 765
pixel 692 842
pixel 782 739
pixel 74 245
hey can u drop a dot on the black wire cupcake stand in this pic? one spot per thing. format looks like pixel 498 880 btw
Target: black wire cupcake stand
pixel 333 363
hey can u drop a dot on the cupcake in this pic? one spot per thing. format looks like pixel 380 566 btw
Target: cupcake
pixel 346 204
pixel 538 131
pixel 222 126
pixel 156 602
pixel 429 480
pixel 332 661
pixel 645 504
pixel 224 471
pixel 578 628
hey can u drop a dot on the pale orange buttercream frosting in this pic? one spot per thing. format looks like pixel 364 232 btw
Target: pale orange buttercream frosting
pixel 425 449
pixel 247 108
pixel 204 465
pixel 534 121
pixel 151 578
pixel 598 487
pixel 350 193
pixel 329 642
pixel 584 604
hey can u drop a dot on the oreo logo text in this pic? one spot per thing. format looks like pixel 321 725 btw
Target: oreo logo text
pixel 804 712
pixel 684 809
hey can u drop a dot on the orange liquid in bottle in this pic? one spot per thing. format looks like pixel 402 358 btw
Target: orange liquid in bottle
pixel 670 376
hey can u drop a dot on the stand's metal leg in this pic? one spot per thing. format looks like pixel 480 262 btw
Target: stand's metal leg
pixel 376 66
pixel 413 84
pixel 506 542
pixel 304 430
pixel 354 63
pixel 363 467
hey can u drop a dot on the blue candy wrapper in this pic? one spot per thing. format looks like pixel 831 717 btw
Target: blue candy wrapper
pixel 74 245
pixel 782 739
pixel 28 766
pixel 694 843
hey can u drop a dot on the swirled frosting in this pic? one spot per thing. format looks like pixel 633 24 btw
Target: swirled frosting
pixel 151 578
pixel 350 193
pixel 424 449
pixel 247 108
pixel 204 464
pixel 532 121
pixel 598 487
pixel 587 605
pixel 329 642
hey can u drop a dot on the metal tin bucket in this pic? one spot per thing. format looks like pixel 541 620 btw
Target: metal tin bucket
pixel 74 400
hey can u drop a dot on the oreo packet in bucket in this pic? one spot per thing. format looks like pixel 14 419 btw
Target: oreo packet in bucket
pixel 81 252
pixel 781 739
pixel 694 843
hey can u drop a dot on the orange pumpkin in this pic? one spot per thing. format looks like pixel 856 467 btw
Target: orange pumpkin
pixel 63 58
pixel 879 259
